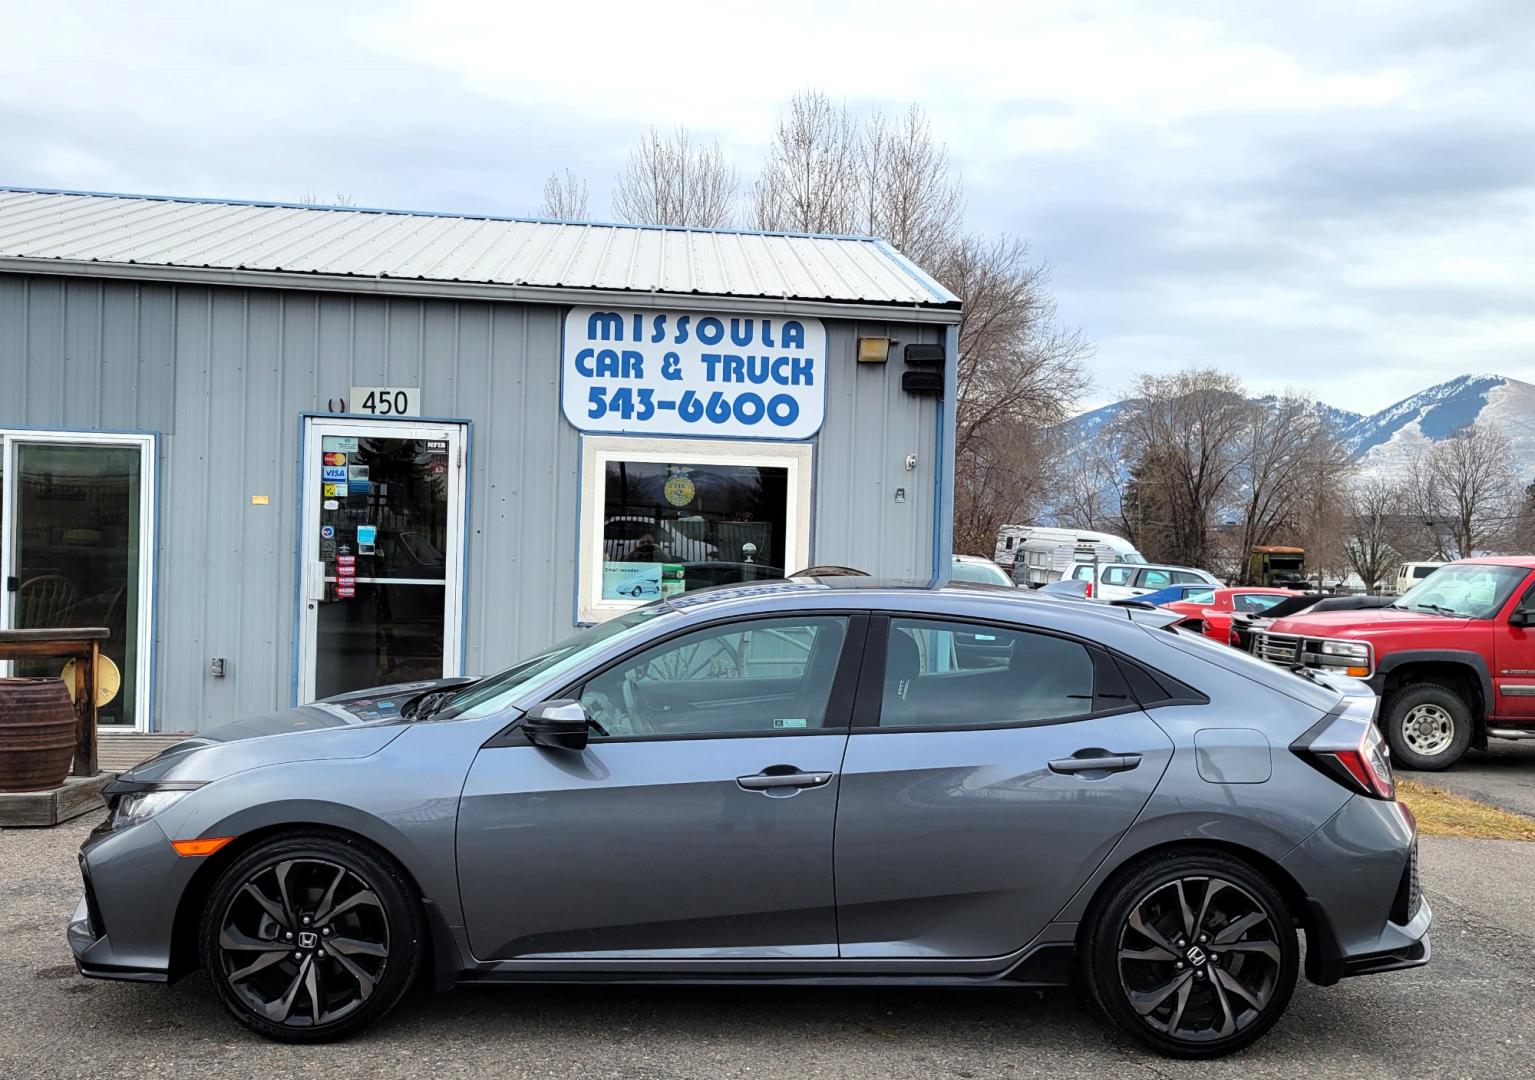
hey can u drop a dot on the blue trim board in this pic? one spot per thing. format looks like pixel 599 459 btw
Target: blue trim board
pixel 943 505
pixel 151 722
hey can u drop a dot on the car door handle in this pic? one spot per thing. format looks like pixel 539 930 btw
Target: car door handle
pixel 766 781
pixel 1099 763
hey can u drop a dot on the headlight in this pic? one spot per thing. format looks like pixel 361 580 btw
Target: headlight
pixel 135 807
pixel 1352 649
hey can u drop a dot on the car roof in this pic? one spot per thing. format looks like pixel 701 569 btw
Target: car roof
pixel 1525 561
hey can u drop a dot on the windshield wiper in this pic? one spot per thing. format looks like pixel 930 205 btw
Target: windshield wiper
pixel 431 702
pixel 1438 609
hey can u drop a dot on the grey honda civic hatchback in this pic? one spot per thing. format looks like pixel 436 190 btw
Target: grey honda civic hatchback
pixel 810 782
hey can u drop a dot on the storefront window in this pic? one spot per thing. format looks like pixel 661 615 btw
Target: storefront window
pixel 675 516
pixel 670 527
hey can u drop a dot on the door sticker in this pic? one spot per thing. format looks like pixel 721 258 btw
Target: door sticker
pixel 333 472
pixel 343 444
pixel 333 491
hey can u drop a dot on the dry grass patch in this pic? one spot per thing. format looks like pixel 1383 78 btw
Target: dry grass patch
pixel 1441 814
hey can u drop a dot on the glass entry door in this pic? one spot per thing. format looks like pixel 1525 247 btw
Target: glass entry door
pixel 383 513
pixel 75 536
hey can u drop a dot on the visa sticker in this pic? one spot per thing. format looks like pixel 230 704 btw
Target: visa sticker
pixel 793 723
pixel 333 472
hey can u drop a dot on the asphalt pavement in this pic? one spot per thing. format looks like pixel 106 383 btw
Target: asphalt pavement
pixel 1503 776
pixel 1468 1014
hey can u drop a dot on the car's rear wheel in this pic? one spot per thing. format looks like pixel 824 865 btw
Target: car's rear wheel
pixel 1193 954
pixel 310 937
pixel 1428 726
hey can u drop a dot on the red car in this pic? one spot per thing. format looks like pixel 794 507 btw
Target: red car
pixel 1209 610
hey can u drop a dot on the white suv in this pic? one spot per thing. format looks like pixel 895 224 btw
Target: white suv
pixel 1124 581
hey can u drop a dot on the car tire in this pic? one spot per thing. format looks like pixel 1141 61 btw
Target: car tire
pixel 1428 726
pixel 1204 998
pixel 276 959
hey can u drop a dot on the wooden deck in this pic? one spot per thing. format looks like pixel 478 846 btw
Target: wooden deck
pixel 120 751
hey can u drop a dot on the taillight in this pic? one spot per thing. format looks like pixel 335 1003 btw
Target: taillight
pixel 1089 592
pixel 1347 746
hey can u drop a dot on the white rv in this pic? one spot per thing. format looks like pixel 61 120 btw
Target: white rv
pixel 1037 555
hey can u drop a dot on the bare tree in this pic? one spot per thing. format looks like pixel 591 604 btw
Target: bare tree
pixel 1088 491
pixel 564 198
pixel 312 197
pixel 910 195
pixel 1271 450
pixel 1373 507
pixel 1017 374
pixel 1321 508
pixel 1182 430
pixel 811 180
pixel 1463 491
pixel 674 180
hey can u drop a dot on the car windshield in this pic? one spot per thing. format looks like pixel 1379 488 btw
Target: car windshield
pixel 983 572
pixel 496 692
pixel 1470 590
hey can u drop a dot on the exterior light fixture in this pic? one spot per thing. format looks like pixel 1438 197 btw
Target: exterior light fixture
pixel 873 350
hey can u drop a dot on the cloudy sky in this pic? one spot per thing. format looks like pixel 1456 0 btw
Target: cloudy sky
pixel 1338 198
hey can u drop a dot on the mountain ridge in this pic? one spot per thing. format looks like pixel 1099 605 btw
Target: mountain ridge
pixel 1388 441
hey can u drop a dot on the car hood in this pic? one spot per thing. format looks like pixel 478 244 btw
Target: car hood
pixel 1363 622
pixel 349 725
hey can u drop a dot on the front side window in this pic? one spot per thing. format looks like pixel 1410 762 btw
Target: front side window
pixel 940 674
pixel 762 676
pixel 1155 579
pixel 1186 577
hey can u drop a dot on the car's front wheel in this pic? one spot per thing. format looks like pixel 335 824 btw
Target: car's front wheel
pixel 311 937
pixel 1193 954
pixel 1428 726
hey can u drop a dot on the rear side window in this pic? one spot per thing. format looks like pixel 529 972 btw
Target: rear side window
pixel 940 674
pixel 1083 573
pixel 1156 579
pixel 1255 602
pixel 1119 575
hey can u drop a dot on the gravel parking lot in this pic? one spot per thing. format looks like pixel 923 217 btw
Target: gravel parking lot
pixel 1467 1014
pixel 1504 776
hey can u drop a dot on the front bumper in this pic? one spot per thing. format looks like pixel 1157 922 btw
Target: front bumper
pixel 123 926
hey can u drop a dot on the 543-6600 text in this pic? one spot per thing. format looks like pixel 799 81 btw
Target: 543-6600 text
pixel 640 403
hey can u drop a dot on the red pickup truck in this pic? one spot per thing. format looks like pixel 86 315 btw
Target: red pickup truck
pixel 1453 658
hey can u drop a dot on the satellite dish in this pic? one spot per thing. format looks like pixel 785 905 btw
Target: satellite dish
pixel 108 680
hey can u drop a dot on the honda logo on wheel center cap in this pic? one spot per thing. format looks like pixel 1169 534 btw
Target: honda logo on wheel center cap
pixel 1196 955
pixel 308 940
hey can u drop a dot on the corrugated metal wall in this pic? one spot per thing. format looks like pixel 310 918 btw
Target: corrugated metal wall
pixel 224 374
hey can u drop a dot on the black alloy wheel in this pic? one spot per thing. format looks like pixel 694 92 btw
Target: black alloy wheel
pixel 310 938
pixel 1195 955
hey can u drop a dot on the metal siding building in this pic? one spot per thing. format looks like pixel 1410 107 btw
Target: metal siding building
pixel 221 330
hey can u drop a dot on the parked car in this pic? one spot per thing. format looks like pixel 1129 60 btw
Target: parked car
pixel 707 789
pixel 1038 555
pixel 981 571
pixel 1453 658
pixel 1209 611
pixel 1125 581
pixel 1411 573
pixel 1244 624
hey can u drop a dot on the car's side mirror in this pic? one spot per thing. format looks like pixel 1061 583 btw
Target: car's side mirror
pixel 1522 617
pixel 560 724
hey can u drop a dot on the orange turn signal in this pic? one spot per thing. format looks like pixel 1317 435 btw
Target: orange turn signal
pixel 1359 672
pixel 189 848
